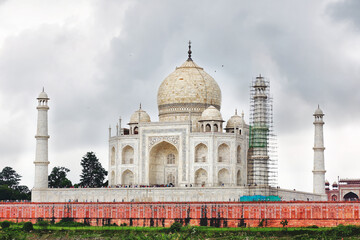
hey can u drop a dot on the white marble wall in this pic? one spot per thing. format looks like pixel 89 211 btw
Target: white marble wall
pixel 179 134
pixel 166 194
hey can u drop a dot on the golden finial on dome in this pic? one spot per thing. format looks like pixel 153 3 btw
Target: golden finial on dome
pixel 189 52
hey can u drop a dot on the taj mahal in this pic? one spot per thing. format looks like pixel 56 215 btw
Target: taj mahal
pixel 191 153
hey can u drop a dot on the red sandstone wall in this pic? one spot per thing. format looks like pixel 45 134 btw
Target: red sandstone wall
pixel 231 214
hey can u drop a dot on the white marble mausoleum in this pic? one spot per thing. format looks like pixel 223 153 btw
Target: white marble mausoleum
pixel 189 154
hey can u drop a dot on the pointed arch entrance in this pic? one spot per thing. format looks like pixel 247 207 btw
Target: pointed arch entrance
pixel 127 177
pixel 350 196
pixel 223 177
pixel 163 164
pixel 201 177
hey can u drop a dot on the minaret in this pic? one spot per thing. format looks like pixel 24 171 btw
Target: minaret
pixel 259 134
pixel 319 166
pixel 41 158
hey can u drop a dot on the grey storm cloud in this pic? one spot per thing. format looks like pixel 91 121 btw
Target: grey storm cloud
pixel 101 64
pixel 347 10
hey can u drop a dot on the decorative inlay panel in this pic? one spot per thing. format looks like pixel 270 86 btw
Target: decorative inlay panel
pixel 171 139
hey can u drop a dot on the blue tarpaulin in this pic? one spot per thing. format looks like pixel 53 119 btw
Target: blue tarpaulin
pixel 260 198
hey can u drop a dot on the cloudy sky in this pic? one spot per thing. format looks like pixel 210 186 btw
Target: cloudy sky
pixel 99 59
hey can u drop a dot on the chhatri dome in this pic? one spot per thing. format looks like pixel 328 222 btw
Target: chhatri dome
pixel 318 111
pixel 187 91
pixel 211 114
pixel 139 116
pixel 43 95
pixel 235 121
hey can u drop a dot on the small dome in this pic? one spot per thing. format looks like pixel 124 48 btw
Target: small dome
pixel 43 95
pixel 139 116
pixel 318 111
pixel 211 114
pixel 335 184
pixel 235 121
pixel 327 183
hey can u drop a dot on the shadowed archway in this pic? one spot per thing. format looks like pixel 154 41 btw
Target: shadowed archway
pixel 350 196
pixel 163 164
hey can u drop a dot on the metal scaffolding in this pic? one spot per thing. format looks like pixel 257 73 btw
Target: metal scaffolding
pixel 262 155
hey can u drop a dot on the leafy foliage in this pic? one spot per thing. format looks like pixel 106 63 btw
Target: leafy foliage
pixel 93 174
pixel 9 186
pixel 175 227
pixel 9 177
pixel 43 224
pixel 28 226
pixel 5 224
pixel 69 222
pixel 58 179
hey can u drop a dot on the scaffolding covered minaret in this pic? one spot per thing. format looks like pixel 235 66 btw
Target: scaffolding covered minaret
pixel 262 163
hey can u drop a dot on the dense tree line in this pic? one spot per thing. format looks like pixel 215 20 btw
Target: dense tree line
pixel 92 176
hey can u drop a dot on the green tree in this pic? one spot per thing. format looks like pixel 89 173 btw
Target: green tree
pixel 10 188
pixel 28 226
pixel 21 192
pixel 58 179
pixel 9 177
pixel 93 174
pixel 6 193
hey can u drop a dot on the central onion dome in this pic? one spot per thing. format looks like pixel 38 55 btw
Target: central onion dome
pixel 187 91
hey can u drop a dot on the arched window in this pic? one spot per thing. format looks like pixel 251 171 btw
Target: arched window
pixel 207 128
pixel 127 178
pixel 112 181
pixel 113 156
pixel 238 154
pixel 171 158
pixel 136 130
pixel 201 177
pixel 201 152
pixel 224 153
pixel 128 155
pixel 170 179
pixel 223 177
pixel 216 128
pixel 238 178
pixel 334 198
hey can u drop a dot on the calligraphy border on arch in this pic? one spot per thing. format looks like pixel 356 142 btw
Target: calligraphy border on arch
pixel 171 139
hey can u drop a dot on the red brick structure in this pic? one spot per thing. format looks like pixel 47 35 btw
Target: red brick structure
pixel 344 190
pixel 220 214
